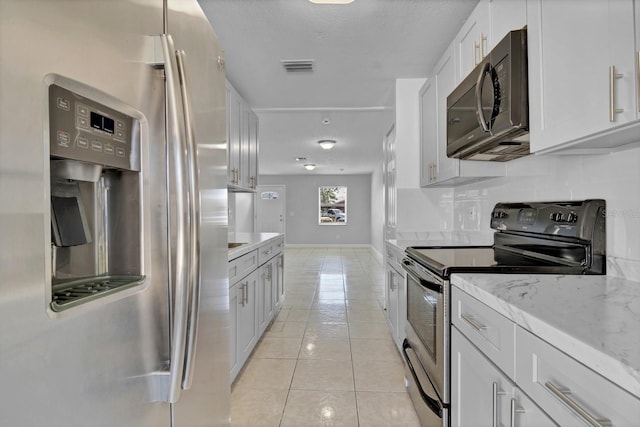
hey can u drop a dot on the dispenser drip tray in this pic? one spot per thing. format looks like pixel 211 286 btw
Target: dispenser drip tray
pixel 73 293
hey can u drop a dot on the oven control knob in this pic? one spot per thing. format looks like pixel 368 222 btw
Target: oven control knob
pixel 557 217
pixel 572 217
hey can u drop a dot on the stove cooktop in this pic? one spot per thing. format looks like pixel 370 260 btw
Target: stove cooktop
pixel 447 260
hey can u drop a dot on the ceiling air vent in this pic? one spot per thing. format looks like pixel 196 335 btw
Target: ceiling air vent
pixel 297 65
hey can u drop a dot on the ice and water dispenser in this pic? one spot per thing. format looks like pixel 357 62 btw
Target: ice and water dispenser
pixel 96 205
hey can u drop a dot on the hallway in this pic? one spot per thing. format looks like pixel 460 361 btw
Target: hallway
pixel 328 359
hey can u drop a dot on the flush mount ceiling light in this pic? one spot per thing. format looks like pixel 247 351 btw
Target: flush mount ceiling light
pixel 299 159
pixel 327 144
pixel 309 166
pixel 331 1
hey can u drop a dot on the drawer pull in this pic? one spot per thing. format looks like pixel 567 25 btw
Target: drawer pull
pixel 496 393
pixel 472 321
pixel 515 410
pixel 563 394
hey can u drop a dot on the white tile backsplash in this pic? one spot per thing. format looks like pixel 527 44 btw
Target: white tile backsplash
pixel 614 177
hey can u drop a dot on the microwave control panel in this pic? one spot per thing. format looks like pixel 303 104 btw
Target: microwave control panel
pixel 83 129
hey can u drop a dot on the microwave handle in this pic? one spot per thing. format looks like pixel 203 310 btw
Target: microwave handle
pixel 486 69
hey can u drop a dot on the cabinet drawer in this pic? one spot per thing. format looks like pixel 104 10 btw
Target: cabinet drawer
pixel 569 391
pixel 491 332
pixel 271 249
pixel 241 266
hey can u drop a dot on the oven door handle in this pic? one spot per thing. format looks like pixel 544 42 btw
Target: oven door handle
pixel 410 268
pixel 433 404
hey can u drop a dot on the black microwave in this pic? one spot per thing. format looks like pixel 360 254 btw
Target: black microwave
pixel 488 113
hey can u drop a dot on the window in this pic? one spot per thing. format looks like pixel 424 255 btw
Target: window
pixel 333 205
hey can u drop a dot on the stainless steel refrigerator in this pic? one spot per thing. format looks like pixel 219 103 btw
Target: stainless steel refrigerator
pixel 113 215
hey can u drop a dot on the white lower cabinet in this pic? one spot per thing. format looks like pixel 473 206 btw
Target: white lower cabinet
pixel 255 297
pixel 266 294
pixel 482 395
pixel 571 393
pixel 279 279
pixel 244 327
pixel 395 293
pixel 503 375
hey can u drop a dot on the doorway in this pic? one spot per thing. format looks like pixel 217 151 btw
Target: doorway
pixel 270 208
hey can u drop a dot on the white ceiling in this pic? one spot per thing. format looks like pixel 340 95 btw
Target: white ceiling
pixel 358 50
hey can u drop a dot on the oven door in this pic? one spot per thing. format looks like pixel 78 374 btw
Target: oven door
pixel 429 408
pixel 427 326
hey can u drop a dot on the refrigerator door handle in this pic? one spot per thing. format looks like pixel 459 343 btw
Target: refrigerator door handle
pixel 180 270
pixel 194 230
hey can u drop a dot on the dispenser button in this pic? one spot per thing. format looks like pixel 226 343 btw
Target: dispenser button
pixel 63 138
pixel 108 149
pixel 120 152
pixel 96 145
pixel 120 135
pixel 82 142
pixel 119 124
pixel 63 104
pixel 82 122
pixel 82 110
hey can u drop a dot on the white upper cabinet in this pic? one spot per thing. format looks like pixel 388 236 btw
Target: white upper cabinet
pixel 472 42
pixel 489 23
pixel 583 69
pixel 506 15
pixel 242 145
pixel 436 169
pixel 428 133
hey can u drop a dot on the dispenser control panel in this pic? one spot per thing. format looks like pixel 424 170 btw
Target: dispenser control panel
pixel 83 129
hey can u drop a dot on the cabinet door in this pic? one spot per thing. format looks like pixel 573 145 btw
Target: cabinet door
pixel 247 324
pixel 571 54
pixel 479 391
pixel 245 112
pixel 253 150
pixel 446 167
pixel 392 302
pixel 506 15
pixel 524 413
pixel 428 133
pixel 637 59
pixel 233 136
pixel 234 320
pixel 472 43
pixel 265 295
pixel 279 280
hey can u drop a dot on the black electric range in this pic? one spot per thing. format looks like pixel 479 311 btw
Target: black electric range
pixel 534 237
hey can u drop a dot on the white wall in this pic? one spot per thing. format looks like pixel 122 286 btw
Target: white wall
pixel 241 212
pixel 301 221
pixel 614 177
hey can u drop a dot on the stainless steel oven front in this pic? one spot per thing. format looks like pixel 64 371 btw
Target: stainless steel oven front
pixel 426 348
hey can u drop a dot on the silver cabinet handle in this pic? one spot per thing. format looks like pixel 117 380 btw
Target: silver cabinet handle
pixel 246 293
pixel 638 80
pixel 515 409
pixel 496 393
pixel 180 271
pixel 612 94
pixel 194 225
pixel 563 395
pixel 483 40
pixel 475 48
pixel 473 322
pixel 242 295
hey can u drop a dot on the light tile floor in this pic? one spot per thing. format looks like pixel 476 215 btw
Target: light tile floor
pixel 328 359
